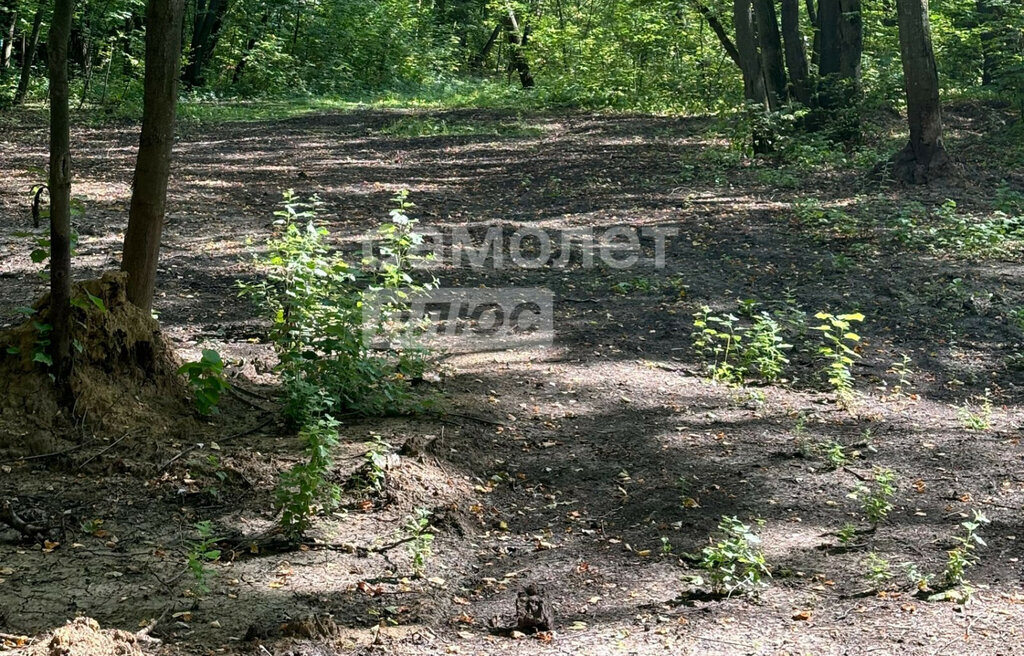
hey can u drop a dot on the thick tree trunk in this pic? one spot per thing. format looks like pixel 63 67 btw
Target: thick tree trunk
pixel 841 44
pixel 925 156
pixel 716 26
pixel 746 45
pixel 152 167
pixel 796 53
pixel 770 43
pixel 29 57
pixel 60 200
pixel 516 43
pixel 205 32
pixel 754 91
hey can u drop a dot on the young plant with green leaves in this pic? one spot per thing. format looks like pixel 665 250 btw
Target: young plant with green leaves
pixel 417 530
pixel 962 557
pixel 317 302
pixel 735 562
pixel 875 495
pixel 838 351
pixel 206 378
pixel 202 552
pixel 304 490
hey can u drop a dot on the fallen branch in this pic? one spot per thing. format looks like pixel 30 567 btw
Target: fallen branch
pixel 11 518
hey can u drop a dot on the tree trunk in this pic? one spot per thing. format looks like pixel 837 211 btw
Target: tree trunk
pixel 478 60
pixel 29 57
pixel 770 44
pixel 841 45
pixel 205 32
pixel 152 167
pixel 746 45
pixel 924 157
pixel 716 26
pixel 10 19
pixel 516 43
pixel 60 200
pixel 796 53
pixel 750 64
pixel 236 77
pixel 989 13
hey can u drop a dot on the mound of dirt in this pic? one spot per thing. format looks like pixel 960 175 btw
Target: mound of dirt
pixel 82 636
pixel 124 375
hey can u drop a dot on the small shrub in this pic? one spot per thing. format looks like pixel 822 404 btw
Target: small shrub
pixel 206 378
pixel 316 300
pixel 877 570
pixel 202 552
pixel 980 420
pixel 735 563
pixel 962 557
pixel 416 527
pixel 303 491
pixel 838 352
pixel 876 497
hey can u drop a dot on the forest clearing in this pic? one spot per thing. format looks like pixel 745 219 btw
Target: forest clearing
pixel 598 347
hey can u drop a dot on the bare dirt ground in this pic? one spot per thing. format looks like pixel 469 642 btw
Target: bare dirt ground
pixel 570 466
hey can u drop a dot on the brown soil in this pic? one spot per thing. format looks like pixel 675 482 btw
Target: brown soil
pixel 560 467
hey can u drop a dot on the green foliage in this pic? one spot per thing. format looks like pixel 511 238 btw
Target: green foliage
pixel 202 552
pixel 838 352
pixel 304 490
pixel 315 301
pixel 876 495
pixel 206 377
pixel 416 528
pixel 979 417
pixel 735 351
pixel 735 563
pixel 962 557
pixel 835 455
pixel 877 570
pixel 847 533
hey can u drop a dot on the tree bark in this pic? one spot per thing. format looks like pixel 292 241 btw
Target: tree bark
pixel 841 45
pixel 29 57
pixel 10 19
pixel 205 32
pixel 152 167
pixel 516 43
pixel 796 53
pixel 770 44
pixel 479 59
pixel 60 200
pixel 746 45
pixel 924 157
pixel 716 26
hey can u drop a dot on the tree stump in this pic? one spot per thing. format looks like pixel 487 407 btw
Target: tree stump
pixel 533 610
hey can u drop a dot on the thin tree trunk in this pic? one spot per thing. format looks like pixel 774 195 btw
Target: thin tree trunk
pixel 516 43
pixel 152 167
pixel 771 52
pixel 205 32
pixel 719 30
pixel 481 57
pixel 925 156
pixel 60 200
pixel 236 76
pixel 29 57
pixel 796 53
pixel 11 15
